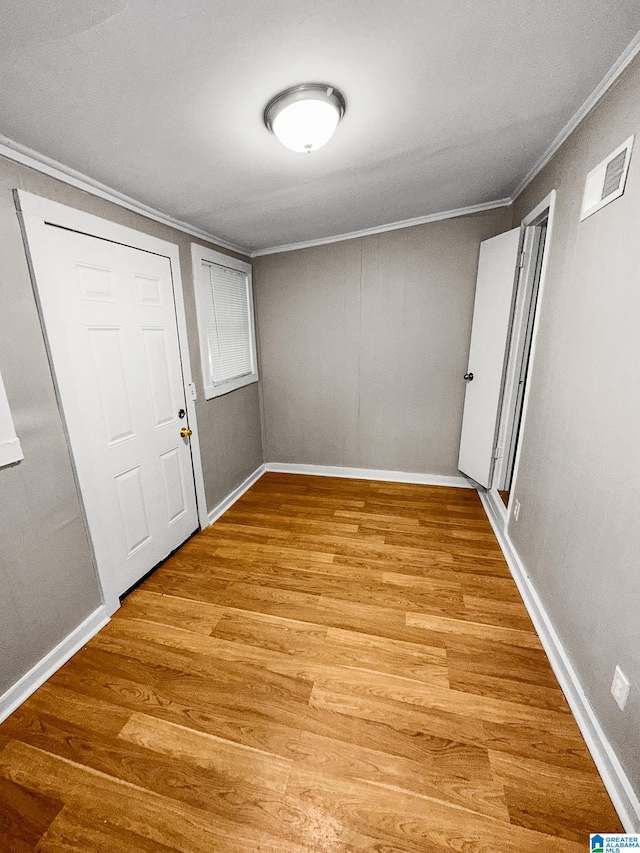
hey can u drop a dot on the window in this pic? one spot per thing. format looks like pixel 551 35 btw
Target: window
pixel 224 301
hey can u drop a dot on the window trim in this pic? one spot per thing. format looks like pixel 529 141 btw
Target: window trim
pixel 200 254
pixel 10 448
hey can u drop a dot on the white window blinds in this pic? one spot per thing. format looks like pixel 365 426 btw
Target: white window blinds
pixel 227 320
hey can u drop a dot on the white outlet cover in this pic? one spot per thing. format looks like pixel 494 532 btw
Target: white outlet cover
pixel 620 688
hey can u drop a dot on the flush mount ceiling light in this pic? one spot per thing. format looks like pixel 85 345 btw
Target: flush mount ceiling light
pixel 305 117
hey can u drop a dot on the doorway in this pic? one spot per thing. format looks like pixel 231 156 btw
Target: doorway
pixel 535 244
pixel 110 303
pixel 525 309
pixel 511 270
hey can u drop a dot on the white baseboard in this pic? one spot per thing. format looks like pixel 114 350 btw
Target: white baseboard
pixel 74 641
pixel 231 498
pixel 624 798
pixel 52 661
pixel 369 474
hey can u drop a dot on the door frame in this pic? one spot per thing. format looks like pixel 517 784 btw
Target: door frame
pixel 543 210
pixel 521 311
pixel 35 213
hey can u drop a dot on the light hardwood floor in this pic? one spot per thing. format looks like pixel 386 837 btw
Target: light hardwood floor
pixel 334 666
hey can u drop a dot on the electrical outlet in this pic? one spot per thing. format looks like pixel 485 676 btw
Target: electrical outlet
pixel 516 510
pixel 620 688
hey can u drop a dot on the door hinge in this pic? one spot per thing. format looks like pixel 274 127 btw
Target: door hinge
pixel 191 386
pixel 497 453
pixel 521 261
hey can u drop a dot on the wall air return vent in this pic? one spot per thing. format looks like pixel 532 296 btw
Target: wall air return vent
pixel 606 181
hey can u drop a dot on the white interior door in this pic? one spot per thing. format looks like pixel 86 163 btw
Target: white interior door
pixel 497 268
pixel 110 319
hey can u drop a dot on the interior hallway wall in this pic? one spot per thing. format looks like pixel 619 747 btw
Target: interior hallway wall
pixel 364 344
pixel 47 581
pixel 578 483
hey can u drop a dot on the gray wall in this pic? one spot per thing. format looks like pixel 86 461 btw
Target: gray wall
pixel 47 580
pixel 364 343
pixel 579 478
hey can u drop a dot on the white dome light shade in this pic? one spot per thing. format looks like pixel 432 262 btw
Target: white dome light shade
pixel 306 125
pixel 305 117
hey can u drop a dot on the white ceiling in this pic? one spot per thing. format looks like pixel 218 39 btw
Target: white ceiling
pixel 449 104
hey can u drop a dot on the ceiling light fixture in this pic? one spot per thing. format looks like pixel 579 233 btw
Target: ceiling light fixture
pixel 305 117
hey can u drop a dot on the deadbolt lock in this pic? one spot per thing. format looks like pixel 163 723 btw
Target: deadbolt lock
pixel 185 432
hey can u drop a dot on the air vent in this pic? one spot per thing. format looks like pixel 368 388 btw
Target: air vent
pixel 606 181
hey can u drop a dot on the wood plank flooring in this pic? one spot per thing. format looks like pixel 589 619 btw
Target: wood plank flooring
pixel 336 666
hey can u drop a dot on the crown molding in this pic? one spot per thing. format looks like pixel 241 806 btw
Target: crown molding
pixel 627 56
pixel 19 153
pixel 34 160
pixel 382 229
pixel 40 162
pixel 630 52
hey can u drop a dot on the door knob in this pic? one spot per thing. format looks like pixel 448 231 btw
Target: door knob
pixel 468 376
pixel 185 432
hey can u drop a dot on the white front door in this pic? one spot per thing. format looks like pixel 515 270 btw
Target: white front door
pixel 110 319
pixel 492 312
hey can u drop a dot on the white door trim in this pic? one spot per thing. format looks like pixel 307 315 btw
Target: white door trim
pixel 34 212
pixel 547 204
pixel 510 386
